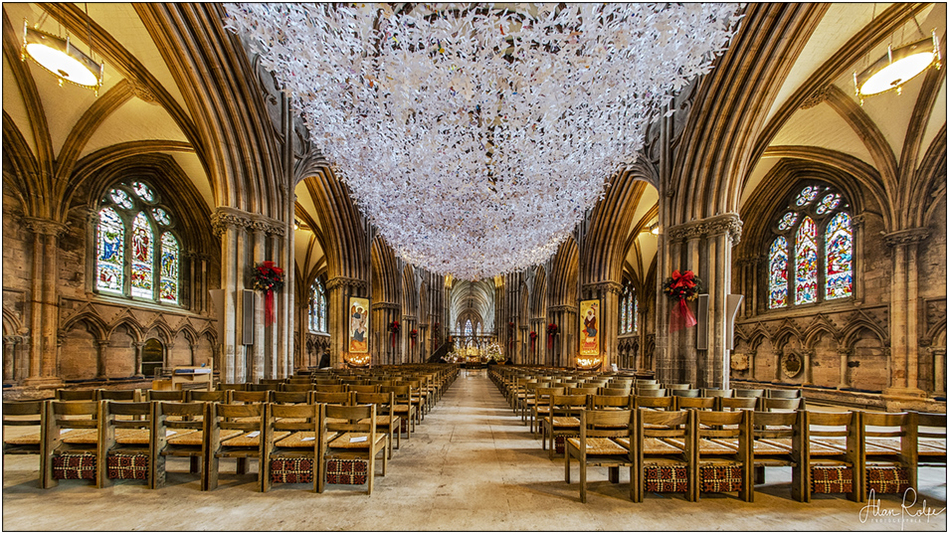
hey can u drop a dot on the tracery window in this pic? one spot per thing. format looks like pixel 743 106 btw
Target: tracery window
pixel 468 327
pixel 318 307
pixel 815 235
pixel 628 311
pixel 137 253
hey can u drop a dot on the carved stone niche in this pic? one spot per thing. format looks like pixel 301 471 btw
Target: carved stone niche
pixel 739 362
pixel 791 365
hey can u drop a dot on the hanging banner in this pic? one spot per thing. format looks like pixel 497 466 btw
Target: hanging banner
pixel 359 318
pixel 590 330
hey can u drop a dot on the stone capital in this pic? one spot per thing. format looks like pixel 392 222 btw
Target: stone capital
pixel 724 224
pixel 564 308
pixel 604 286
pixel 345 281
pixel 225 218
pixel 44 226
pixel 906 237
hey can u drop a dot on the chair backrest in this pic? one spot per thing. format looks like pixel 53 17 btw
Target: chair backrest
pixel 271 382
pixel 738 403
pixel 585 390
pixel 607 391
pixel 603 401
pixel 400 391
pixel 564 384
pixel 833 425
pixel 607 423
pixel 238 396
pixel 677 386
pixel 567 404
pixel 339 398
pixel 931 439
pixel 705 404
pixel 748 392
pixel 187 414
pixel 364 389
pixel 646 382
pixel 686 393
pixel 544 393
pixel 245 417
pixel 165 395
pixel 75 395
pixel 87 409
pixel 119 395
pixel 717 393
pixel 890 426
pixel 288 418
pixel 782 404
pixel 776 425
pixel 231 386
pixel 719 425
pixel 666 426
pixel 25 414
pixel 383 400
pixel 290 397
pixel 652 392
pixel 353 416
pixel 217 396
pixel 328 381
pixel 296 387
pixel 262 387
pixel 782 393
pixel 654 402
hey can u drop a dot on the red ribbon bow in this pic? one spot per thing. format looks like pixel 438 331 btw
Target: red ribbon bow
pixel 684 280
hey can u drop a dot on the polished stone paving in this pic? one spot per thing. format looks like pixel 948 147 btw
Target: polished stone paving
pixel 472 465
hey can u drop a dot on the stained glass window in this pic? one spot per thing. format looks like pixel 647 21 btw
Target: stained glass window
pixel 623 314
pixel 318 307
pixel 807 195
pixel 468 327
pixel 110 249
pixel 161 216
pixel 142 248
pixel 121 198
pixel 634 314
pixel 778 273
pixel 788 220
pixel 168 284
pixel 838 250
pixel 143 191
pixel 828 203
pixel 806 263
pixel 478 328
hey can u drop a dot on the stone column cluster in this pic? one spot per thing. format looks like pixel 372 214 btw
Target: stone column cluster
pixel 44 296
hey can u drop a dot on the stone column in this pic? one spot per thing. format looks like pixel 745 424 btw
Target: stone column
pixel 843 354
pixel 138 346
pixel 940 370
pixel 255 371
pixel 101 346
pixel 229 224
pixel 807 357
pixel 779 374
pixel 9 362
pixel 904 312
pixel 44 306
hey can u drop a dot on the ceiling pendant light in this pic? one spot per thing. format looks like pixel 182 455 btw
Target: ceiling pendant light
pixel 61 58
pixel 898 67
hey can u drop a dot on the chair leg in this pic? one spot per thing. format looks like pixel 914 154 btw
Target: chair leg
pixel 583 463
pixel 371 471
pixel 567 466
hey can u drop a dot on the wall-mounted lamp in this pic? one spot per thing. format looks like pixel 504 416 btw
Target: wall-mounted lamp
pixel 61 58
pixel 655 229
pixel 897 67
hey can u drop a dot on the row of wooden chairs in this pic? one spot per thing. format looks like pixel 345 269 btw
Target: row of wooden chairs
pixel 108 440
pixel 693 451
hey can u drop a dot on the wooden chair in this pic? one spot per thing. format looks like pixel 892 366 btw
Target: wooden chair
pixel 290 398
pixel 748 392
pixel 119 395
pixel 931 439
pixel 784 393
pixel 296 387
pixel 72 455
pixel 124 443
pixel 76 395
pixel 417 398
pixel 403 407
pixel 387 421
pixel 216 396
pixel 244 396
pixel 778 440
pixel 336 398
pixel 22 415
pixel 273 383
pixel 888 446
pixel 607 391
pixel 583 391
pixel 735 404
pixel 597 445
pixel 609 402
pixel 248 421
pixel 231 386
pixel 690 402
pixel 364 389
pixel 724 453
pixel 832 449
pixel 651 392
pixel 357 440
pixel 563 419
pixel 717 393
pixel 781 404
pixel 661 465
pixel 165 395
pixel 178 430
pixel 293 435
pixel 677 386
pixel 654 402
pixel 539 407
pixel 250 387
pixel 330 388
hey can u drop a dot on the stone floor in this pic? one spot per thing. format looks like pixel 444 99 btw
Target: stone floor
pixel 471 466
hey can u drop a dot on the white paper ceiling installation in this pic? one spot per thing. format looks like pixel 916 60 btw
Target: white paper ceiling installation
pixel 475 139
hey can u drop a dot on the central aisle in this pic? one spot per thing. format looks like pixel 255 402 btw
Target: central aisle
pixel 471 466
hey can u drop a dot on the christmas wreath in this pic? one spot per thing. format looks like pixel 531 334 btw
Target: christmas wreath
pixel 268 278
pixel 552 332
pixel 682 287
pixel 533 336
pixel 393 331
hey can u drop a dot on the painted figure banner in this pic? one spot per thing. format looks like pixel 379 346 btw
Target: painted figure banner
pixel 358 315
pixel 590 328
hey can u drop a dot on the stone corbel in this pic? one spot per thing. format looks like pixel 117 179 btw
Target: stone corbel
pixel 906 237
pixel 43 226
pixel 728 224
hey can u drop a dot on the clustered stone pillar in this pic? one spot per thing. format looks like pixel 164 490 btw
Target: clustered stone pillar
pixel 704 247
pixel 44 317
pixel 904 312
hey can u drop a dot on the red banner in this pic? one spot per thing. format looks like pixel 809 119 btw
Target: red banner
pixel 268 307
pixel 681 316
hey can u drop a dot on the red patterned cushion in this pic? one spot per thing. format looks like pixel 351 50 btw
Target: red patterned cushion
pixel 125 466
pixel 659 478
pixel 559 443
pixel 74 466
pixel 296 470
pixel 887 479
pixel 404 425
pixel 720 478
pixel 831 479
pixel 346 471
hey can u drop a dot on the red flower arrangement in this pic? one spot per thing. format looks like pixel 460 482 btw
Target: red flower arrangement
pixel 552 332
pixel 533 336
pixel 268 278
pixel 682 287
pixel 393 331
pixel 412 336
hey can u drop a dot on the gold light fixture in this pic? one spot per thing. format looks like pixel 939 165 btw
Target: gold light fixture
pixel 588 363
pixel 897 67
pixel 61 58
pixel 357 361
pixel 655 229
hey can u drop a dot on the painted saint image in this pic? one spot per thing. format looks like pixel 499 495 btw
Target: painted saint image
pixel 359 317
pixel 590 322
pixel 590 334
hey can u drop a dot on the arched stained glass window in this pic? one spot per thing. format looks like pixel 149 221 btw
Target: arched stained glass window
pixel 110 248
pixel 624 313
pixel 634 314
pixel 806 263
pixel 817 237
pixel 168 291
pixel 778 273
pixel 838 251
pixel 136 252
pixel 142 249
pixel 468 327
pixel 318 307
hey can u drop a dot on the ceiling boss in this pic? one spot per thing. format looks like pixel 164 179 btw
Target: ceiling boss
pixel 475 136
